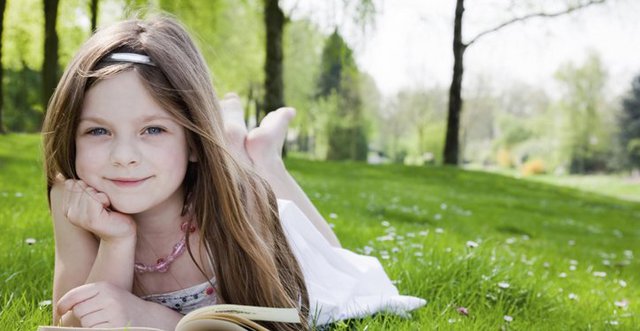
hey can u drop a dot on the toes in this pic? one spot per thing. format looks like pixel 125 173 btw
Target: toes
pixel 231 109
pixel 231 95
pixel 278 119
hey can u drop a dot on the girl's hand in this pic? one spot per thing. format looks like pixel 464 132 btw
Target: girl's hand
pixel 87 208
pixel 103 305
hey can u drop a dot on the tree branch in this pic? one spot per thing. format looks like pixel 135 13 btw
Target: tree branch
pixel 534 15
pixel 292 10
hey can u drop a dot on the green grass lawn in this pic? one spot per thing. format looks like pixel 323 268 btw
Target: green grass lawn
pixel 547 257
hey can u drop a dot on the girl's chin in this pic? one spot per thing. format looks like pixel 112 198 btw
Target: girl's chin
pixel 125 208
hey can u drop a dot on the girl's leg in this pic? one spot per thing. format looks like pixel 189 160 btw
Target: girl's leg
pixel 263 146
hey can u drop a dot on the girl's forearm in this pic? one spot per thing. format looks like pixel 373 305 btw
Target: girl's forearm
pixel 114 263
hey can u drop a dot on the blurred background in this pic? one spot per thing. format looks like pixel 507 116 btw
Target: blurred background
pixel 546 87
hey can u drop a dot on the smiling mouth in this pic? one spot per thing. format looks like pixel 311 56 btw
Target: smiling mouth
pixel 128 182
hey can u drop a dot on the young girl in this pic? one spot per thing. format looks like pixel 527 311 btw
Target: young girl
pixel 139 171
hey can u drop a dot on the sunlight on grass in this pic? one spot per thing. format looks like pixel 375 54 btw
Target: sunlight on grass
pixel 487 252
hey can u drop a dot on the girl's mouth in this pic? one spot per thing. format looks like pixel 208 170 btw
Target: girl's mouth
pixel 128 182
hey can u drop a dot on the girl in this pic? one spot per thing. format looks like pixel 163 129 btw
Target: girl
pixel 139 172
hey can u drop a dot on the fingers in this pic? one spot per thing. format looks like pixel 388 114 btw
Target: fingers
pixel 74 297
pixel 86 208
pixel 103 199
pixel 91 304
pixel 82 204
pixel 79 189
pixel 59 178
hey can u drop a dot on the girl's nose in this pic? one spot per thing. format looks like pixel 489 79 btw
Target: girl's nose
pixel 124 152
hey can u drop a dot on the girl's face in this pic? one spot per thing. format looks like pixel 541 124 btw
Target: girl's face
pixel 130 148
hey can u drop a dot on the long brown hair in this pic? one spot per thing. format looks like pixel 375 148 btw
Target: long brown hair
pixel 235 209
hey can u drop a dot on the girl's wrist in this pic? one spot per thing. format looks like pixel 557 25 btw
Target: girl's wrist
pixel 128 241
pixel 128 236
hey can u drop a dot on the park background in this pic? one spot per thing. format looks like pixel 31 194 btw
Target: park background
pixel 490 235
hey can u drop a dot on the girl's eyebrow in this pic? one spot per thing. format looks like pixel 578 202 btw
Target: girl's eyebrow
pixel 144 119
pixel 92 119
pixel 157 117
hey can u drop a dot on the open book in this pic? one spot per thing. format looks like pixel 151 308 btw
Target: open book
pixel 213 318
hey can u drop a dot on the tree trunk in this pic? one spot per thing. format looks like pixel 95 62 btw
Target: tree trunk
pixel 3 5
pixel 50 64
pixel 452 140
pixel 94 15
pixel 273 84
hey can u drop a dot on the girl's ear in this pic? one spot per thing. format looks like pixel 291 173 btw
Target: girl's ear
pixel 192 156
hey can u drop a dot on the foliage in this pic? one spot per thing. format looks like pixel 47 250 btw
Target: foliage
pixel 231 37
pixel 477 123
pixel 337 63
pixel 228 32
pixel 411 126
pixel 339 77
pixel 22 61
pixel 22 106
pixel 629 124
pixel 504 158
pixel 301 69
pixel 23 34
pixel 550 257
pixel 533 167
pixel 574 133
pixel 586 138
pixel 524 125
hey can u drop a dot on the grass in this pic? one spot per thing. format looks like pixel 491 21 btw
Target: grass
pixel 621 186
pixel 549 257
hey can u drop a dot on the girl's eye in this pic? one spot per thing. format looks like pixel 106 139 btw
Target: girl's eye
pixel 98 131
pixel 154 130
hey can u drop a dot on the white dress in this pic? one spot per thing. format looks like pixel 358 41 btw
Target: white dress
pixel 341 284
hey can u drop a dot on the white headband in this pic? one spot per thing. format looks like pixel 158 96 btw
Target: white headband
pixel 130 57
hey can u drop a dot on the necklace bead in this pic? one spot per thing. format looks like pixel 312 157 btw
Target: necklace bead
pixel 163 263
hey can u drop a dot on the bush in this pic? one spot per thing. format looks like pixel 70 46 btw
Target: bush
pixel 533 167
pixel 504 159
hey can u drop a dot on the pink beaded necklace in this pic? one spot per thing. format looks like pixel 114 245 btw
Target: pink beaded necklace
pixel 163 263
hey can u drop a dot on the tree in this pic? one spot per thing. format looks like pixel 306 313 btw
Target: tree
pixel 3 5
pixel 93 6
pixel 302 58
pixel 413 123
pixel 274 20
pixel 23 37
pixel 583 105
pixel 339 84
pixel 452 144
pixel 525 127
pixel 50 63
pixel 629 124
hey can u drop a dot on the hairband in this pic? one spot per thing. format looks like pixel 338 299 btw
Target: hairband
pixel 130 57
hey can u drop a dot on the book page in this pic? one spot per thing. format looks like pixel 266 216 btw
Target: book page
pixel 77 328
pixel 286 315
pixel 214 325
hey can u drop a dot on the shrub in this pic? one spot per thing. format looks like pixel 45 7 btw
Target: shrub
pixel 533 167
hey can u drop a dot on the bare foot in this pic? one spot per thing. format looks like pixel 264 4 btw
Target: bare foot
pixel 235 128
pixel 264 143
